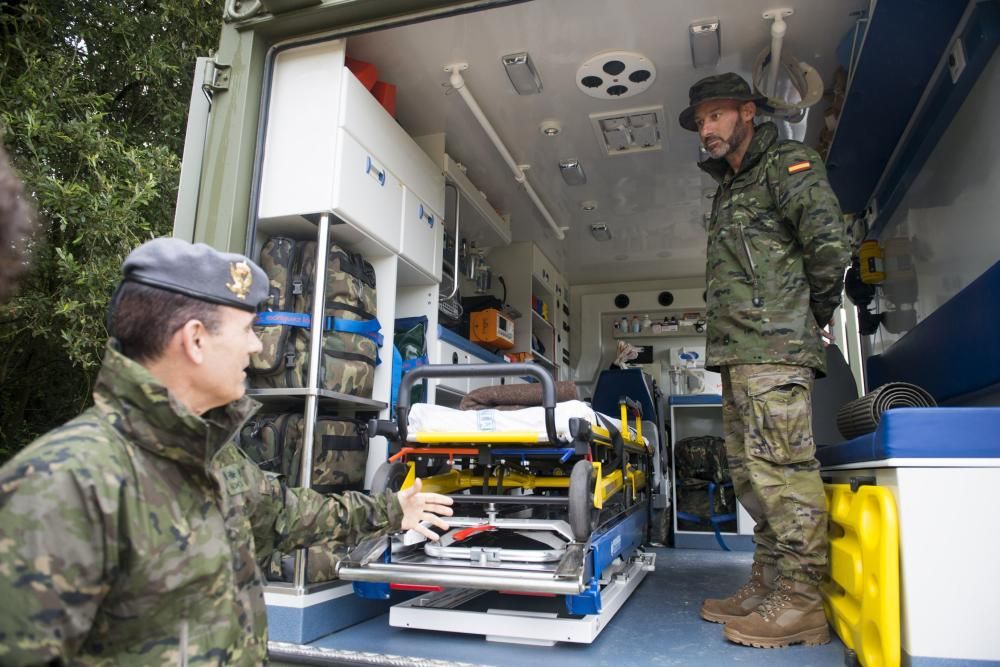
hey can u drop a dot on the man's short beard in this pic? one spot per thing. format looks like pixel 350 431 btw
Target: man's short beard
pixel 727 146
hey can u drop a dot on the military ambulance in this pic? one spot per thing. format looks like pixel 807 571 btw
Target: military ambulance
pixel 465 205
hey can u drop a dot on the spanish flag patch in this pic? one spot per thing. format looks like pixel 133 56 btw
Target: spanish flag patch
pixel 799 166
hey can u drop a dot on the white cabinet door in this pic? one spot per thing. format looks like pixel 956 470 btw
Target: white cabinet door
pixel 421 234
pixel 476 383
pixel 366 193
pixel 449 354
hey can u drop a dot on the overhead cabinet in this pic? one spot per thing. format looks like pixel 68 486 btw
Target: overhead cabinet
pixel 331 147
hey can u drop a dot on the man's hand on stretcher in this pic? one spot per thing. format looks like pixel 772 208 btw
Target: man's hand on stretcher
pixel 429 507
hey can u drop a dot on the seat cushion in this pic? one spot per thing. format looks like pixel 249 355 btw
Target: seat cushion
pixel 960 433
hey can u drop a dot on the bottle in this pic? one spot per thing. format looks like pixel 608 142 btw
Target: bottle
pixel 623 325
pixel 646 323
pixel 636 324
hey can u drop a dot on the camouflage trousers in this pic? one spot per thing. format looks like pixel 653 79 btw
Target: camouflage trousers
pixel 767 419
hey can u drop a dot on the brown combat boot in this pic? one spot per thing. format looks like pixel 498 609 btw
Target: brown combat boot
pixel 791 614
pixel 743 601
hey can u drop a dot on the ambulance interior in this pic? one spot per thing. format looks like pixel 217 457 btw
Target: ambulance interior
pixel 572 236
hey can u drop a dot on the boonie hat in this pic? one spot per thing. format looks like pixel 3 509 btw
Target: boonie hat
pixel 198 271
pixel 728 86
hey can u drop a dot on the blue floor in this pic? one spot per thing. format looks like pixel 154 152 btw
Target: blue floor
pixel 659 625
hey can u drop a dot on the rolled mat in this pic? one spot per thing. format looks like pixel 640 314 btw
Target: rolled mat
pixel 862 415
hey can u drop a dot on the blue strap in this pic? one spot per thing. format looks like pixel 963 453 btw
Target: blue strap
pixel 716 520
pixel 397 378
pixel 367 328
pixel 275 318
pixel 564 452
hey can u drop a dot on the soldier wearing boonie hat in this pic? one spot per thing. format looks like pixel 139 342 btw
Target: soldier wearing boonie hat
pixel 777 252
pixel 140 523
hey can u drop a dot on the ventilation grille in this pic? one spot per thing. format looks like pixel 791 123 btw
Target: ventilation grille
pixel 631 131
pixel 615 75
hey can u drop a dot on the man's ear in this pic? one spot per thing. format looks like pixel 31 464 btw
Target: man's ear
pixel 747 111
pixel 190 341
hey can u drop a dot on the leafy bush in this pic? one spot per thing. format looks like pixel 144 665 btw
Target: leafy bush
pixel 93 105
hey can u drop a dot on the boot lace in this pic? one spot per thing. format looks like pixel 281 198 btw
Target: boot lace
pixel 751 587
pixel 775 600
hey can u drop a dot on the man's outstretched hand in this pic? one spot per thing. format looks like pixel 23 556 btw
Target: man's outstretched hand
pixel 419 507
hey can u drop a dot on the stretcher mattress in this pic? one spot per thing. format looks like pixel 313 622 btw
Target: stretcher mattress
pixel 427 418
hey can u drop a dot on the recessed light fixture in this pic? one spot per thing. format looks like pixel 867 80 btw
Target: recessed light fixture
pixel 550 128
pixel 589 205
pixel 705 43
pixel 522 73
pixel 572 172
pixel 600 231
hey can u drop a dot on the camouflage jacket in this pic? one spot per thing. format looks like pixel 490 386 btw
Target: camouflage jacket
pixel 777 251
pixel 128 535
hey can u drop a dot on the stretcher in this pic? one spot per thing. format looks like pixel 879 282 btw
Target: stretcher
pixel 551 500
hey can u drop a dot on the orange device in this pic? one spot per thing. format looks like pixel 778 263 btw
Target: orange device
pixel 490 328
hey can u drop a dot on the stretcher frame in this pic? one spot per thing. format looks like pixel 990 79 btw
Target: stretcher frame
pixel 595 543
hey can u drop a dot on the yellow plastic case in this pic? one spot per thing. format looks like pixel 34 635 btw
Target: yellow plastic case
pixel 862 597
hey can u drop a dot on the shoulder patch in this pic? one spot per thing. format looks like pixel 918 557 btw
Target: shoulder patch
pixel 801 165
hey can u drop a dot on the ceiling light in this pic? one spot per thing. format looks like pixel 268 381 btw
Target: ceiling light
pixel 550 128
pixel 589 205
pixel 705 43
pixel 572 172
pixel 523 75
pixel 600 231
pixel 629 131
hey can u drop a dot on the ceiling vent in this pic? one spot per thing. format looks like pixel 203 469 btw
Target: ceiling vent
pixel 629 131
pixel 616 75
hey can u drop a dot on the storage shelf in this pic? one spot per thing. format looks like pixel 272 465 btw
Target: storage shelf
pixel 538 318
pixel 325 395
pixel 545 361
pixel 682 331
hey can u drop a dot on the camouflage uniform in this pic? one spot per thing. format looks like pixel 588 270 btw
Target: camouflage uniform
pixel 130 534
pixel 777 250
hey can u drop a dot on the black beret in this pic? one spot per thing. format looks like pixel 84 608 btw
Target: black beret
pixel 198 271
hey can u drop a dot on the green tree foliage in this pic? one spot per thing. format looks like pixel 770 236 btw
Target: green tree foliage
pixel 93 105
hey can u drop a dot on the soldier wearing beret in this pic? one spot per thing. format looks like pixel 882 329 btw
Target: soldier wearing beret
pixel 777 251
pixel 131 534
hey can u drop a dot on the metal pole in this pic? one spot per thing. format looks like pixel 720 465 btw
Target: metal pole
pixel 312 398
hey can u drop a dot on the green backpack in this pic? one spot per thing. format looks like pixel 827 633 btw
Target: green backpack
pixel 340 450
pixel 340 454
pixel 351 335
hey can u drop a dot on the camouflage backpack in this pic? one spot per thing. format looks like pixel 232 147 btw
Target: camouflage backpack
pixel 702 457
pixel 340 454
pixel 340 450
pixel 701 460
pixel 351 333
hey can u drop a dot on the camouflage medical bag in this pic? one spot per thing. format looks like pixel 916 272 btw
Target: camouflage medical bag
pixel 701 461
pixel 340 450
pixel 340 453
pixel 350 331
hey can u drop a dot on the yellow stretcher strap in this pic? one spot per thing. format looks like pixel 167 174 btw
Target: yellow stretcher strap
pixel 481 437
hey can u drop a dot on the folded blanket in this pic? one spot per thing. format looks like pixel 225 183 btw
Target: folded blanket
pixel 514 396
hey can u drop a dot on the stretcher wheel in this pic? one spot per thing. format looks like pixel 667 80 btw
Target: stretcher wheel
pixel 389 476
pixel 583 516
